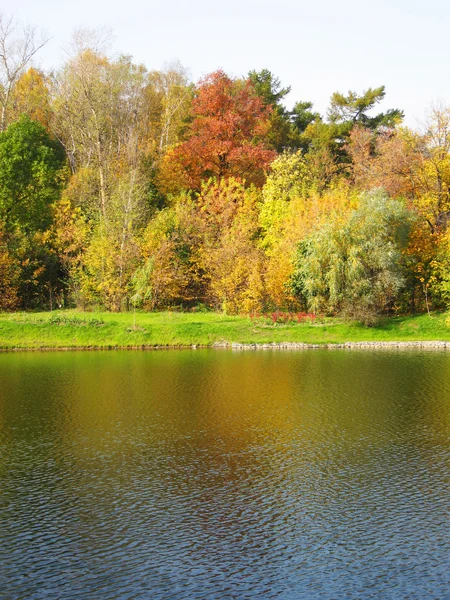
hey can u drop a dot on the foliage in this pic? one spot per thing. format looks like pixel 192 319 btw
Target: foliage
pixel 18 46
pixel 171 273
pixel 229 254
pixel 9 277
pixel 299 214
pixel 105 273
pixel 225 137
pixel 326 142
pixel 354 108
pixel 124 186
pixel 69 237
pixel 389 159
pixel 437 279
pixel 31 175
pixel 31 97
pixel 289 178
pixel 354 267
pixel 302 116
pixel 268 87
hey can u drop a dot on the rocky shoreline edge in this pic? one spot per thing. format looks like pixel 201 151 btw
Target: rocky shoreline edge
pixel 423 345
pixel 332 346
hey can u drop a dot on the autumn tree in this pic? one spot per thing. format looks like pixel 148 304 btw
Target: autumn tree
pixel 229 253
pixel 170 273
pixel 436 278
pixel 434 173
pixel 292 207
pixel 31 97
pixel 85 95
pixel 427 269
pixel 225 137
pixel 289 178
pixel 104 278
pixel 9 276
pixel 390 159
pixel 327 141
pixel 69 236
pixel 17 48
pixel 169 96
pixel 406 163
pixel 204 250
pixel 103 114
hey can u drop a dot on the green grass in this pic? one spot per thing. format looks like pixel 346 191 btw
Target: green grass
pixel 74 329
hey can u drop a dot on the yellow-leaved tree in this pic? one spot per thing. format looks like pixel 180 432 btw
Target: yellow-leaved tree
pixel 291 208
pixel 229 253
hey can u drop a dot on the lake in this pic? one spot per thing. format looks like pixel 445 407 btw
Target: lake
pixel 218 474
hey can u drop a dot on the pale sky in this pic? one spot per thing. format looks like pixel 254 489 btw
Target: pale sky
pixel 316 46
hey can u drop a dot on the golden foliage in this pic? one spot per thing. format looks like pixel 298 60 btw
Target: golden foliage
pixel 31 96
pixel 9 277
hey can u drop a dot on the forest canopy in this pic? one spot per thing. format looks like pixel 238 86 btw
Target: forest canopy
pixel 123 186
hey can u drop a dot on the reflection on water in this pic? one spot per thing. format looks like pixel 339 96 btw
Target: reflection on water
pixel 213 474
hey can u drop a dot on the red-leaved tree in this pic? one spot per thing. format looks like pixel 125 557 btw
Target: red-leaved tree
pixel 225 138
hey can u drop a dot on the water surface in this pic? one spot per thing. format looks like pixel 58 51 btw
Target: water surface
pixel 219 474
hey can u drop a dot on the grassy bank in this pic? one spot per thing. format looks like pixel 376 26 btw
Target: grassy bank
pixel 73 329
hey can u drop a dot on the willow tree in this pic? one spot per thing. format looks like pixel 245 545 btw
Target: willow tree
pixel 355 266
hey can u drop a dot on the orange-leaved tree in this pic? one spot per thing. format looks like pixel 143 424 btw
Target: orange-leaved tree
pixel 9 275
pixel 225 137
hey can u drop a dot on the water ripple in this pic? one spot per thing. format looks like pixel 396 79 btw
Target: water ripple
pixel 209 475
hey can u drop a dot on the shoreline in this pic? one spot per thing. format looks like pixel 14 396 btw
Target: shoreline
pixel 74 330
pixel 373 345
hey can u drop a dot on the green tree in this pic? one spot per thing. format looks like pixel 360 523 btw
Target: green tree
pixel 353 108
pixel 301 117
pixel 268 87
pixel 356 267
pixel 31 175
pixel 286 126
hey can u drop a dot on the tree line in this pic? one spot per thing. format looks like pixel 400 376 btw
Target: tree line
pixel 122 186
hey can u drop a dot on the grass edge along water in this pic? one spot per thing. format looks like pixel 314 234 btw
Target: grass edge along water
pixel 102 330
